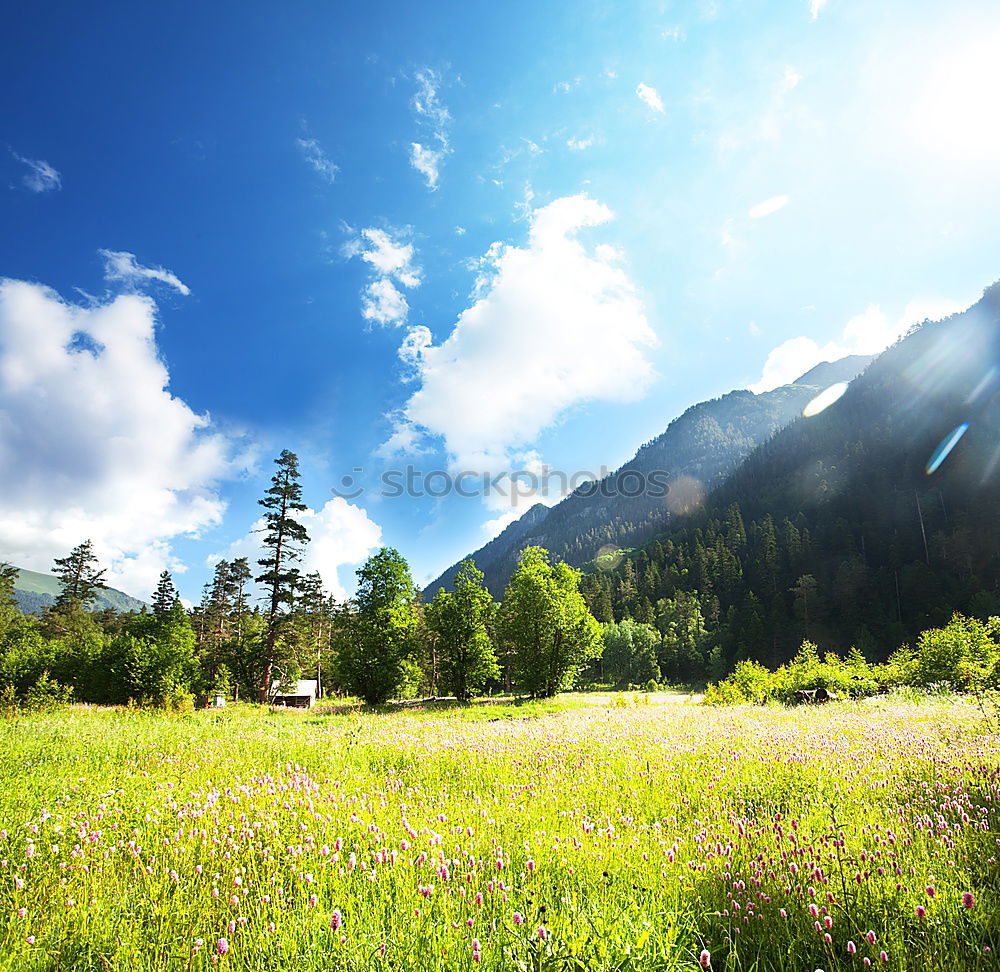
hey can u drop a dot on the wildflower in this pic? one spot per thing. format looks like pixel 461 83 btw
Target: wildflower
pixel 705 958
pixel 852 949
pixel 930 890
pixel 884 956
pixel 312 900
pixel 21 912
pixel 30 939
pixel 222 946
pixel 921 911
pixel 518 918
pixel 968 900
pixel 542 932
pixel 336 919
pixel 870 938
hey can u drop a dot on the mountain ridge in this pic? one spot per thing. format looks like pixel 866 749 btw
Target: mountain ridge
pixel 698 448
pixel 34 592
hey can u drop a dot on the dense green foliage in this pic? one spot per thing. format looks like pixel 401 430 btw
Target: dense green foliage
pixel 853 528
pixel 963 656
pixel 630 653
pixel 545 625
pixel 459 623
pixel 377 633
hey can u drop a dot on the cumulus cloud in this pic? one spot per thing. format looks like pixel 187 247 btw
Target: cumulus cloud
pixel 427 155
pixel 340 535
pixel 650 96
pixel 868 333
pixel 391 261
pixel 122 267
pixel 768 206
pixel 92 442
pixel 321 163
pixel 552 324
pixel 40 177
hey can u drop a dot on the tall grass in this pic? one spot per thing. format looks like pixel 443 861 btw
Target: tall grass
pixel 582 835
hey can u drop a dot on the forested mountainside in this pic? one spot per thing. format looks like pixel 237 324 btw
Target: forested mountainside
pixel 697 450
pixel 860 526
pixel 34 592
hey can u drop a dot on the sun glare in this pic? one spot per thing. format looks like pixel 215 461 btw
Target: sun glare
pixel 954 101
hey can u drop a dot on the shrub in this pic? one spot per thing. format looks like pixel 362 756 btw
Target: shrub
pixel 46 695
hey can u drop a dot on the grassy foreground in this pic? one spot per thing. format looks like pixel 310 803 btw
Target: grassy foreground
pixel 575 835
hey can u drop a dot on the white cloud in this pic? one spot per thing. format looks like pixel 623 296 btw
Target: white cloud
pixel 553 324
pixel 582 144
pixel 815 6
pixel 650 96
pixel 383 303
pixel 868 333
pixel 340 534
pixel 92 443
pixel 418 339
pixel 768 206
pixel 313 153
pixel 40 177
pixel 790 79
pixel 427 156
pixel 123 267
pixel 427 161
pixel 392 265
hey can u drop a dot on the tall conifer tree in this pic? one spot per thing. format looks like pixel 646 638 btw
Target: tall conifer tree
pixel 284 540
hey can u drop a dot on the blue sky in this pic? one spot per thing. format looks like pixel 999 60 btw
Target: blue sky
pixel 457 236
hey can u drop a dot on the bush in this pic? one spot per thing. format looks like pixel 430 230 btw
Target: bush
pixel 723 693
pixel 46 695
pixel 963 654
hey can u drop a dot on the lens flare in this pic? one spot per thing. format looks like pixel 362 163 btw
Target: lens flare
pixel 944 449
pixel 825 399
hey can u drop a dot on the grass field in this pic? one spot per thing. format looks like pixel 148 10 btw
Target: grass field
pixel 575 834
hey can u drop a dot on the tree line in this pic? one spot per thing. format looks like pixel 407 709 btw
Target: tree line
pixel 255 632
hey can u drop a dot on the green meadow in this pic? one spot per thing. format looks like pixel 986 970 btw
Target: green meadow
pixel 598 832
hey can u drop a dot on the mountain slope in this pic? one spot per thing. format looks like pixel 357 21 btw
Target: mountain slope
pixel 860 526
pixel 34 592
pixel 697 450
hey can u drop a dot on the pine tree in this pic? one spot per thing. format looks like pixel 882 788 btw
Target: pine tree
pixel 164 595
pixel 79 578
pixel 284 539
pixel 8 576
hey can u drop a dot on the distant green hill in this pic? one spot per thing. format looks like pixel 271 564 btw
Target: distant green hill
pixel 35 592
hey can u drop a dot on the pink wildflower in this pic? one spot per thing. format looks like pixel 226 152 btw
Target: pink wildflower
pixel 336 919
pixel 852 949
pixel 518 918
pixel 705 958
pixel 968 900
pixel 222 946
